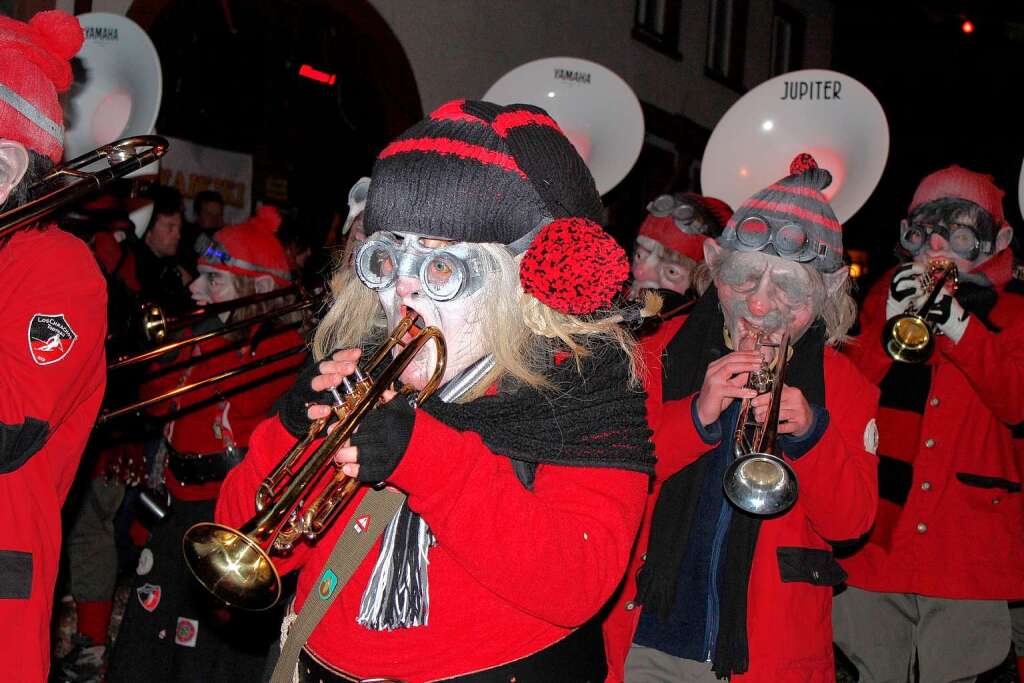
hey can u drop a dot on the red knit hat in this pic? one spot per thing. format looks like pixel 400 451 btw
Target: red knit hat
pixel 250 248
pixel 664 230
pixel 956 182
pixel 34 67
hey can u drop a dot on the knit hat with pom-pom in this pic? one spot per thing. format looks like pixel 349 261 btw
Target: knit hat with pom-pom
pixel 482 172
pixel 250 248
pixel 34 67
pixel 790 218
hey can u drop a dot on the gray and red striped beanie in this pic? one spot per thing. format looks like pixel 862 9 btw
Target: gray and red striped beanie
pixel 792 204
pixel 482 172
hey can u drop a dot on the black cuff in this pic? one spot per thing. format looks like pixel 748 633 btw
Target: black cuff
pixel 382 438
pixel 291 407
pixel 710 434
pixel 796 447
pixel 19 442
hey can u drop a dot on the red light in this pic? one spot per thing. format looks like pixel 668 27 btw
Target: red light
pixel 307 71
pixel 967 26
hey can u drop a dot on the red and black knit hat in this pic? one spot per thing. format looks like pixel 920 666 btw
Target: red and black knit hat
pixel 664 230
pixel 481 172
pixel 794 210
pixel 34 67
pixel 250 249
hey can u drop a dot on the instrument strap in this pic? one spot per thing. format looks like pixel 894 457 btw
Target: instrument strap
pixel 377 508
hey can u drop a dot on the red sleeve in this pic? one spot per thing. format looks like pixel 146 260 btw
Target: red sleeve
pixel 866 349
pixel 838 477
pixel 556 552
pixel 52 327
pixel 994 365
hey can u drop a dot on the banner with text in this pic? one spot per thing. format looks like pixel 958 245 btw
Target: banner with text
pixel 192 168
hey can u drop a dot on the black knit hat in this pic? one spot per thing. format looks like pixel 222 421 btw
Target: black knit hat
pixel 482 172
pixel 795 200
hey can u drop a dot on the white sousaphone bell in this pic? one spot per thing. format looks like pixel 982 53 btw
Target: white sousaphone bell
pixel 595 108
pixel 120 94
pixel 825 113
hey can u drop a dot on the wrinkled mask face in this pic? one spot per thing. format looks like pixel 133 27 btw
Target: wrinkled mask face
pixel 657 267
pixel 763 292
pixel 213 286
pixel 954 236
pixel 459 318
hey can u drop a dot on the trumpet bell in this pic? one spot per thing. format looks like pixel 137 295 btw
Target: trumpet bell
pixel 231 566
pixel 908 339
pixel 761 484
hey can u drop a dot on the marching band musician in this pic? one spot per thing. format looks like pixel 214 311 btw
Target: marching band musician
pixel 945 554
pixel 525 491
pixel 53 327
pixel 723 593
pixel 166 617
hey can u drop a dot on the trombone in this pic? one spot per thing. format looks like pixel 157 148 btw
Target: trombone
pixel 123 156
pixel 759 481
pixel 235 564
pixel 909 337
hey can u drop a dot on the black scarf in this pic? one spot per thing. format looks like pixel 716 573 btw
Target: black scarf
pixel 699 342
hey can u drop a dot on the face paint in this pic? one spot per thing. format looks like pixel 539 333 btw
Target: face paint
pixel 459 320
pixel 758 291
pixel 655 267
pixel 213 286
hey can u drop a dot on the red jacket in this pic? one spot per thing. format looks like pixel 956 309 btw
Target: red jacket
pixel 513 571
pixel 52 329
pixel 959 533
pixel 789 624
pixel 229 420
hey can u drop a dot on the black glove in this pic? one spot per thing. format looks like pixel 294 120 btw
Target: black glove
pixel 291 407
pixel 382 438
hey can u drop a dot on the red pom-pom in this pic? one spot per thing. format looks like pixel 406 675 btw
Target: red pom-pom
pixel 267 219
pixel 61 33
pixel 802 163
pixel 574 266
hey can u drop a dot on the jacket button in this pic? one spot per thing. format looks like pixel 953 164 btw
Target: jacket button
pixel 921 527
pixel 630 606
pixel 643 558
pixel 815 574
pixel 995 501
pixel 929 443
pixel 934 401
pixel 925 485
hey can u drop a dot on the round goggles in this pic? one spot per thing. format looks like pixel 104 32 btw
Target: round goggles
pixel 444 273
pixel 789 240
pixel 684 214
pixel 962 239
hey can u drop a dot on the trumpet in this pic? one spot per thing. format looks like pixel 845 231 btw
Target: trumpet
pixel 759 481
pixel 235 564
pixel 909 337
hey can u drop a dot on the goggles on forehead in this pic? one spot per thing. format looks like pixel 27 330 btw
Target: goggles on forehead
pixel 789 240
pixel 683 213
pixel 444 273
pixel 962 239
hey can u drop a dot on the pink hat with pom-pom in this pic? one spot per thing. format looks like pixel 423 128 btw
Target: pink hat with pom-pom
pixel 34 67
pixel 251 248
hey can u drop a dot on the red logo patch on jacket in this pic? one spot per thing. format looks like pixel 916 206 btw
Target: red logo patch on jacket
pixel 50 337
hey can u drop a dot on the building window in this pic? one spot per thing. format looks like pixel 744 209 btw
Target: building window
pixel 787 39
pixel 727 27
pixel 656 23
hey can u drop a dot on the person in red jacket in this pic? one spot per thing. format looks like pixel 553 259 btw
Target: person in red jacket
pixel 722 593
pixel 669 246
pixel 526 484
pixel 184 640
pixel 52 327
pixel 945 555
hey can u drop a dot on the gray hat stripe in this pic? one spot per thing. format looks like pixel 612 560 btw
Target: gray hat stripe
pixel 30 112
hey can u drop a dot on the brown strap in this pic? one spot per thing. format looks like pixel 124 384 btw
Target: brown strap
pixel 379 507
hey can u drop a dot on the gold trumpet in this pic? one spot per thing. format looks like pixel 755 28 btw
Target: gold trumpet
pixel 909 337
pixel 759 481
pixel 235 564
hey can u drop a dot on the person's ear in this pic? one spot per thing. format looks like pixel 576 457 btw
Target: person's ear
pixel 834 281
pixel 264 284
pixel 712 253
pixel 13 164
pixel 1004 237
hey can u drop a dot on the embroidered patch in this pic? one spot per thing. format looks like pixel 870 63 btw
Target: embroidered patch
pixel 145 562
pixel 186 632
pixel 361 524
pixel 328 582
pixel 149 596
pixel 871 437
pixel 50 337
